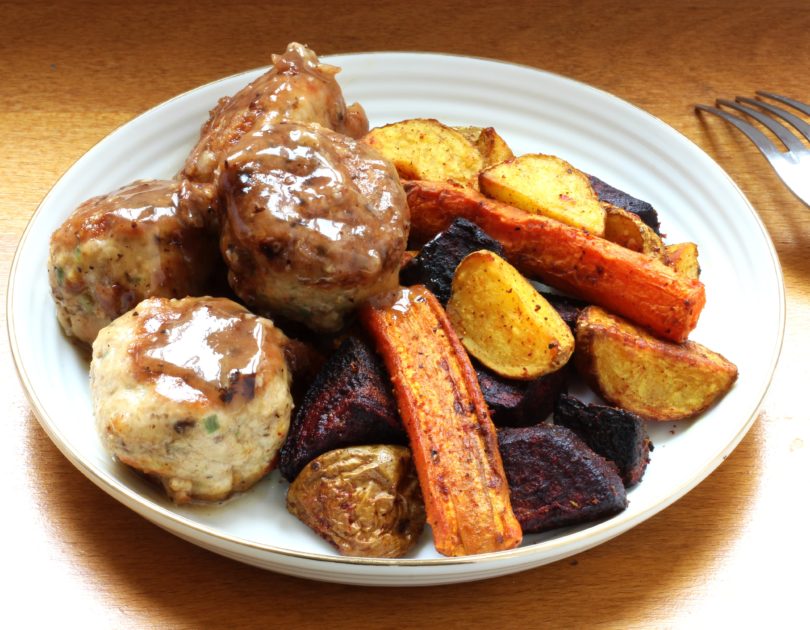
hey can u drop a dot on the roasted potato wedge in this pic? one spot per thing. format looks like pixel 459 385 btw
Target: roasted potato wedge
pixel 492 147
pixel 547 185
pixel 365 500
pixel 656 379
pixel 683 258
pixel 424 148
pixel 504 322
pixel 628 230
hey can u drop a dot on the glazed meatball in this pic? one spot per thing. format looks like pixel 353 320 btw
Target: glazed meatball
pixel 193 392
pixel 314 223
pixel 117 249
pixel 297 88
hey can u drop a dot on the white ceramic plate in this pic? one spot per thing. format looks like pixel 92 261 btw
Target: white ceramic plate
pixel 536 112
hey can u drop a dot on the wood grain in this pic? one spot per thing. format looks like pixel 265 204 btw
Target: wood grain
pixel 734 551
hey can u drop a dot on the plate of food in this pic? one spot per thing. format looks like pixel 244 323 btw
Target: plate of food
pixel 325 351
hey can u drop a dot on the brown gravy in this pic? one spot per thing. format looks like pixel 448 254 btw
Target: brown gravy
pixel 209 352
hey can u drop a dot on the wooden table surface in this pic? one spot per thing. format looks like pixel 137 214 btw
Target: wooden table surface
pixel 733 551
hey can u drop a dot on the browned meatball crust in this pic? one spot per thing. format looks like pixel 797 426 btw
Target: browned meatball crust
pixel 117 249
pixel 297 87
pixel 314 223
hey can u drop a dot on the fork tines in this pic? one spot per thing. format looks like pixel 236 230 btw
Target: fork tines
pixel 793 165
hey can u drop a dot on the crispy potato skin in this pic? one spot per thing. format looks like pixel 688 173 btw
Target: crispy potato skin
pixel 653 378
pixel 452 438
pixel 424 148
pixel 546 185
pixel 504 322
pixel 365 500
pixel 628 230
pixel 631 284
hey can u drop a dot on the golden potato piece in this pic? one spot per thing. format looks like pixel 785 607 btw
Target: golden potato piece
pixel 683 258
pixel 628 230
pixel 424 148
pixel 658 380
pixel 363 499
pixel 547 185
pixel 492 147
pixel 504 322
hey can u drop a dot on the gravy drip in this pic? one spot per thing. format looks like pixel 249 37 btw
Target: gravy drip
pixel 209 353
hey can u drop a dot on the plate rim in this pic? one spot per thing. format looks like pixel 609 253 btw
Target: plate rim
pixel 601 531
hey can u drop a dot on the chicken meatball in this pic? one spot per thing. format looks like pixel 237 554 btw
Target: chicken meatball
pixel 117 249
pixel 297 87
pixel 193 392
pixel 314 223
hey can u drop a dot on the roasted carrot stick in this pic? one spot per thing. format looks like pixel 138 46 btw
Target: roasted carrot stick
pixel 453 440
pixel 625 282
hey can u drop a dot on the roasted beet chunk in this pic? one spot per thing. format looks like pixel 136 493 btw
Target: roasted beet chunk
pixel 516 403
pixel 436 262
pixel 555 480
pixel 617 435
pixel 305 362
pixel 616 197
pixel 350 403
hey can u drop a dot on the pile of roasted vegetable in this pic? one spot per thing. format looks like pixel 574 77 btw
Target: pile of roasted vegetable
pixel 384 285
pixel 468 343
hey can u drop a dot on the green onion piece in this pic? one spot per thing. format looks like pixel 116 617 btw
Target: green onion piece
pixel 211 423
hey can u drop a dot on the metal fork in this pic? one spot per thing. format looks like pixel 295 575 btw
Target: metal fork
pixel 793 165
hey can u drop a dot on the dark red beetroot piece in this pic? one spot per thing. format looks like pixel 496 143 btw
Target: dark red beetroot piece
pixel 555 480
pixel 304 361
pixel 436 262
pixel 514 403
pixel 617 435
pixel 349 403
pixel 607 193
